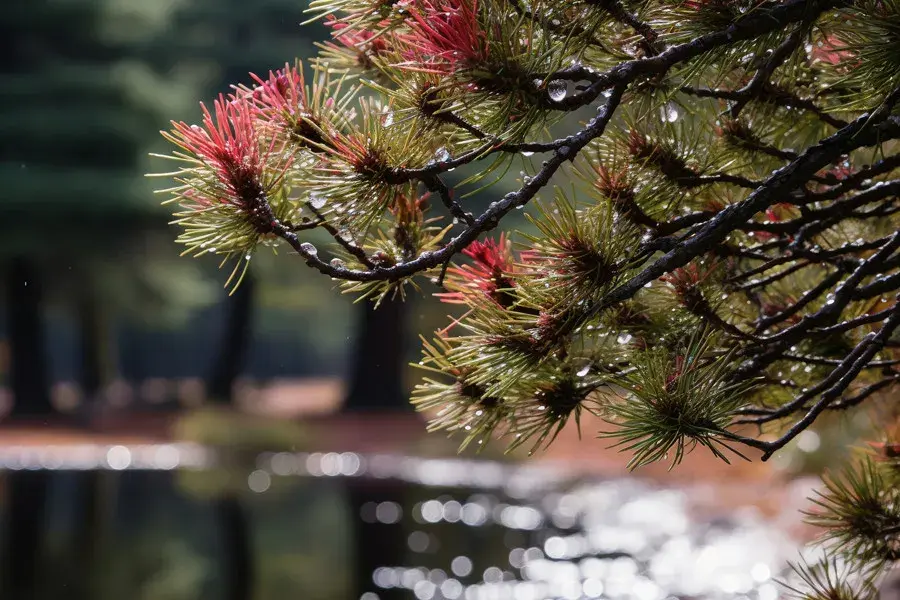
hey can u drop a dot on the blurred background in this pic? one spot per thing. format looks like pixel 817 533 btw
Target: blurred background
pixel 160 440
pixel 101 312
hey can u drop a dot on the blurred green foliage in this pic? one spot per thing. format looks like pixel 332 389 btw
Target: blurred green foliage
pixel 80 108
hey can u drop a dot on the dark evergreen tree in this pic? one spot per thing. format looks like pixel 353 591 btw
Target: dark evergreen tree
pixel 28 352
pixel 376 381
pixel 71 143
pixel 237 335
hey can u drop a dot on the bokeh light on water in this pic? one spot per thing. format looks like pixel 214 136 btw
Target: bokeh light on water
pixel 483 530
pixel 116 457
pixel 610 539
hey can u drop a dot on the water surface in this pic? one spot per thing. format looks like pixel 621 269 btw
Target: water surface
pixel 176 522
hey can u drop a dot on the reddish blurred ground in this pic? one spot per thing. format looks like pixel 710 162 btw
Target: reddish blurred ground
pixel 716 487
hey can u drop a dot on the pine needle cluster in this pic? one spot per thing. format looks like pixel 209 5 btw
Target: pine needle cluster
pixel 714 253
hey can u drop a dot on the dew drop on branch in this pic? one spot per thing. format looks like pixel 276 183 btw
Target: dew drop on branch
pixel 442 154
pixel 669 112
pixel 317 200
pixel 557 89
pixel 309 249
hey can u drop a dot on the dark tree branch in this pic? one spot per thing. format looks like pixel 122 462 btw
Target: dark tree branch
pixel 487 221
pixel 866 130
pixel 865 393
pixel 618 12
pixel 436 185
pixel 348 245
pixel 764 19
pixel 777 58
pixel 771 95
pixel 837 381
pixel 813 294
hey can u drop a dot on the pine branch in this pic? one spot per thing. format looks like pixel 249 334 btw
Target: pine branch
pixel 772 95
pixel 765 19
pixel 487 221
pixel 865 130
pixel 338 237
pixel 761 78
pixel 865 393
pixel 435 184
pixel 831 387
pixel 621 14
pixel 726 256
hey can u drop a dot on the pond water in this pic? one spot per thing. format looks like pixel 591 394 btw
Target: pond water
pixel 177 523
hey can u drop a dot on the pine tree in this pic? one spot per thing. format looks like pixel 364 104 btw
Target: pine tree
pixel 76 124
pixel 722 256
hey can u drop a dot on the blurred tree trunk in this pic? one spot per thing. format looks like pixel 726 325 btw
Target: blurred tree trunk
pixel 379 365
pixel 97 359
pixel 28 357
pixel 235 342
pixel 97 362
pixel 377 383
pixel 237 547
pixel 26 518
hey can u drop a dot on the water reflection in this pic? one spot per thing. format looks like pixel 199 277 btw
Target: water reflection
pixel 80 457
pixel 166 522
